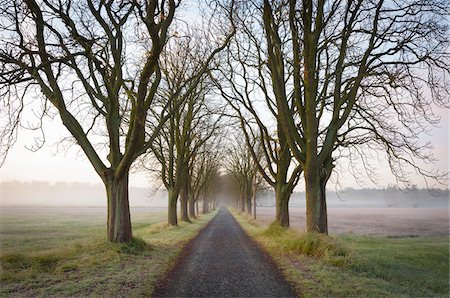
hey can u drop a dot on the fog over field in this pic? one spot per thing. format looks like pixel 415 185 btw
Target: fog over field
pixel 85 194
pixel 72 194
pixel 388 212
pixel 388 197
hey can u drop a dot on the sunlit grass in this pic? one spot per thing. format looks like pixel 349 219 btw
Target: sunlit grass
pixel 76 260
pixel 315 245
pixel 356 266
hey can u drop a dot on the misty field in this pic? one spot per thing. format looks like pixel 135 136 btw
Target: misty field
pixel 64 252
pixel 393 222
pixel 372 252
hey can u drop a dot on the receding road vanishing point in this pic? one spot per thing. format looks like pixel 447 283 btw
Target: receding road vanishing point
pixel 222 261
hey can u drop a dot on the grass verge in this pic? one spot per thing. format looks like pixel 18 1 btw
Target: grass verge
pixel 356 266
pixel 91 266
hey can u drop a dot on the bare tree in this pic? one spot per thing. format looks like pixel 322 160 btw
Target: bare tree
pixel 203 170
pixel 244 82
pixel 243 173
pixel 84 60
pixel 363 75
pixel 211 189
pixel 195 118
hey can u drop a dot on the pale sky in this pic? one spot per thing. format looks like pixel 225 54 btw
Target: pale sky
pixel 49 165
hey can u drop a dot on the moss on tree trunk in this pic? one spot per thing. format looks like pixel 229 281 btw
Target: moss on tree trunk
pixel 316 208
pixel 192 211
pixel 119 222
pixel 172 215
pixel 282 195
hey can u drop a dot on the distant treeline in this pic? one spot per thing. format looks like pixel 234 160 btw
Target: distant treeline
pixel 86 194
pixel 71 194
pixel 374 197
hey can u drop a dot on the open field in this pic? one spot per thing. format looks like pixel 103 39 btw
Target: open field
pixel 372 221
pixel 351 265
pixel 64 252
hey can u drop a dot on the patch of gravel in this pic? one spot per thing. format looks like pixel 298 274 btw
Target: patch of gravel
pixel 222 261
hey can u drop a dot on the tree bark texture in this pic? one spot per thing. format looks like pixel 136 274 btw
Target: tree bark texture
pixel 119 222
pixel 254 199
pixel 242 202
pixel 196 207
pixel 205 208
pixel 282 196
pixel 316 208
pixel 172 215
pixel 184 197
pixel 192 213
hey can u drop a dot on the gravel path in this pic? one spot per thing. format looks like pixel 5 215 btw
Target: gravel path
pixel 222 261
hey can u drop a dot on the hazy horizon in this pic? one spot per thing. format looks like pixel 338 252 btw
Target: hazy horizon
pixel 67 164
pixel 43 193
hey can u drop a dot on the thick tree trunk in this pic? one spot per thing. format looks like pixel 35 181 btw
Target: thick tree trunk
pixel 283 185
pixel 316 208
pixel 184 205
pixel 282 196
pixel 242 202
pixel 196 207
pixel 249 204
pixel 184 198
pixel 254 201
pixel 172 216
pixel 254 196
pixel 119 222
pixel 192 208
pixel 205 206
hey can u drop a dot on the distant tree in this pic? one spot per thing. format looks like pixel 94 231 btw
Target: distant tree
pixel 211 189
pixel 85 62
pixel 350 77
pixel 203 172
pixel 244 83
pixel 244 176
pixel 196 117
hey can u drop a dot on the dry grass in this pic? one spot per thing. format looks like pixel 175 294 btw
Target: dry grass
pixel 84 263
pixel 356 266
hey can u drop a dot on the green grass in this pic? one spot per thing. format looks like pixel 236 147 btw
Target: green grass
pixel 356 266
pixel 314 245
pixel 50 253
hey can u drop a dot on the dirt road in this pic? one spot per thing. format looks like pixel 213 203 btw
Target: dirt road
pixel 222 261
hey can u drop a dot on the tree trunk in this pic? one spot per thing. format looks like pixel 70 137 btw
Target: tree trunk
pixel 172 217
pixel 196 206
pixel 282 196
pixel 119 222
pixel 242 202
pixel 249 204
pixel 192 207
pixel 316 208
pixel 184 205
pixel 205 206
pixel 254 199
